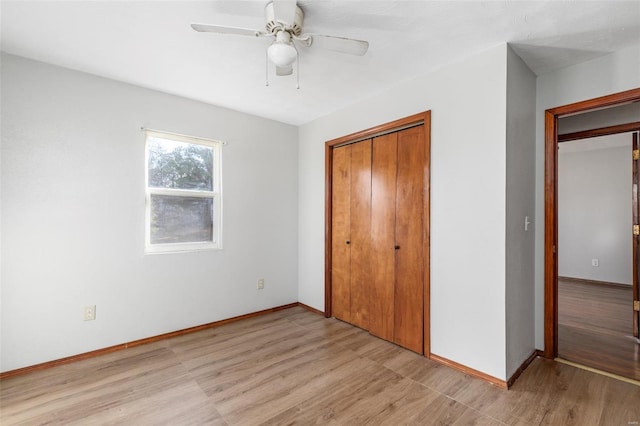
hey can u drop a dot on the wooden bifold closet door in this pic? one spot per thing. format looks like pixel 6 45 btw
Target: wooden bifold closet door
pixel 351 232
pixel 377 236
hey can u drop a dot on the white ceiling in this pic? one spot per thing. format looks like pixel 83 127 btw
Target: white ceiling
pixel 150 44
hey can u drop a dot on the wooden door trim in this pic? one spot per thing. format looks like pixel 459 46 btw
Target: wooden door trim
pixel 426 236
pixel 328 228
pixel 603 131
pixel 390 127
pixel 635 144
pixel 423 118
pixel 551 204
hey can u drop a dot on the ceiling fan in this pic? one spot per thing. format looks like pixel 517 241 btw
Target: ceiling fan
pixel 284 20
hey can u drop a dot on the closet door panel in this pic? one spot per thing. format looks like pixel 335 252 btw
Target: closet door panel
pixel 340 230
pixel 383 201
pixel 360 232
pixel 409 295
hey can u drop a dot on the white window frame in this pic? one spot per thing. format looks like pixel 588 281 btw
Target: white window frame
pixel 215 195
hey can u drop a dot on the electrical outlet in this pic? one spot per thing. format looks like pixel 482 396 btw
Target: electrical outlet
pixel 595 262
pixel 90 313
pixel 260 283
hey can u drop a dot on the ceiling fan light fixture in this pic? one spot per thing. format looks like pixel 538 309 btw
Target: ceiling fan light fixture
pixel 281 52
pixel 284 19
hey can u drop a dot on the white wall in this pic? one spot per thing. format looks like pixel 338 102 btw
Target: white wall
pixel 609 74
pixel 594 212
pixel 468 156
pixel 520 249
pixel 73 215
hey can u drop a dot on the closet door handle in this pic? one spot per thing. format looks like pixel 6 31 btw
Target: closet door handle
pixel 397 247
pixel 348 242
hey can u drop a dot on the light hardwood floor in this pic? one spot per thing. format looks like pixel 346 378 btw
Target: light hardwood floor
pixel 595 327
pixel 296 367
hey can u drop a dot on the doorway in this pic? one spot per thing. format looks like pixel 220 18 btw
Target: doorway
pixel 568 292
pixel 595 254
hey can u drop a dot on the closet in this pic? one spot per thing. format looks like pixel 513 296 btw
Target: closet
pixel 379 234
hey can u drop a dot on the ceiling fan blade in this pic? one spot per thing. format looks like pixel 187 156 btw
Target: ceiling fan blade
pixel 284 70
pixel 337 44
pixel 219 29
pixel 284 11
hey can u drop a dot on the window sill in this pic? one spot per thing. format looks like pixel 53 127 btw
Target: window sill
pixel 180 248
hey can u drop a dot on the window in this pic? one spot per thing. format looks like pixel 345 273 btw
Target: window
pixel 183 193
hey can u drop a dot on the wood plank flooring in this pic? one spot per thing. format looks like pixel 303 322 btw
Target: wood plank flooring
pixel 595 327
pixel 296 367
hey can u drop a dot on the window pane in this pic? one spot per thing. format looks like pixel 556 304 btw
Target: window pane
pixel 181 219
pixel 180 165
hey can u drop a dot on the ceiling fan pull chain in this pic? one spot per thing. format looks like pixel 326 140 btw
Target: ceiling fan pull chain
pixel 297 66
pixel 266 68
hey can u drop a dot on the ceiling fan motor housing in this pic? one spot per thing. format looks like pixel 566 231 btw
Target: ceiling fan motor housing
pixel 273 26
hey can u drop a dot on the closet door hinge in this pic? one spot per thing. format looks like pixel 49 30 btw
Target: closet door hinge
pixel 636 229
pixel 636 154
pixel 636 305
